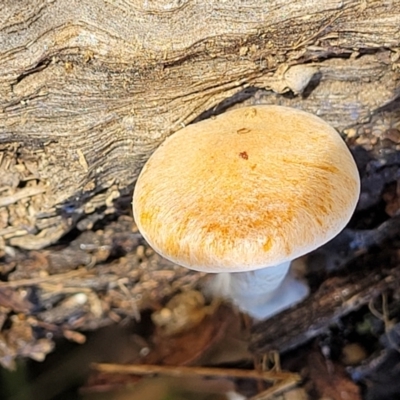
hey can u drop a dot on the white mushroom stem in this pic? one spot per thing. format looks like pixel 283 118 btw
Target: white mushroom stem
pixel 261 293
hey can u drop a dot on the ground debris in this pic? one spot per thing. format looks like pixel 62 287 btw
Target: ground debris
pixel 100 278
pixel 330 379
pixel 14 301
pixel 183 312
pixel 20 341
pixel 193 343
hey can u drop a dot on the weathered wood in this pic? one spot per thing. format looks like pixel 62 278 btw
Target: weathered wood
pixel 89 88
pixel 344 291
pixel 336 298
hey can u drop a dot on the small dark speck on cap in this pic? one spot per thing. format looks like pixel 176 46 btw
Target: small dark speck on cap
pixel 243 131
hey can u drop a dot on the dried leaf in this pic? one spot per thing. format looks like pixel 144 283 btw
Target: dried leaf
pixel 188 346
pixel 330 379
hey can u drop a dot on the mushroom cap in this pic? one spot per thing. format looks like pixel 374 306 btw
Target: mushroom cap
pixel 251 188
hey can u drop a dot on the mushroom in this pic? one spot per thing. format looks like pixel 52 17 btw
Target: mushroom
pixel 242 195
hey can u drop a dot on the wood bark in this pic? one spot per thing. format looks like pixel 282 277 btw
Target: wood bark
pixel 89 88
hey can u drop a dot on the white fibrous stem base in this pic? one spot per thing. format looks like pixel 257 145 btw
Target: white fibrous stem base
pixel 261 293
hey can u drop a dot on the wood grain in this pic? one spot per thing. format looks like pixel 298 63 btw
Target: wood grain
pixel 88 89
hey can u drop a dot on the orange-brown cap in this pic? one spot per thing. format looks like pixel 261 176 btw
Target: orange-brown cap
pixel 251 188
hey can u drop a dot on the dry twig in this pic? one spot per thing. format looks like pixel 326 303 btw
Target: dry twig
pixel 269 376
